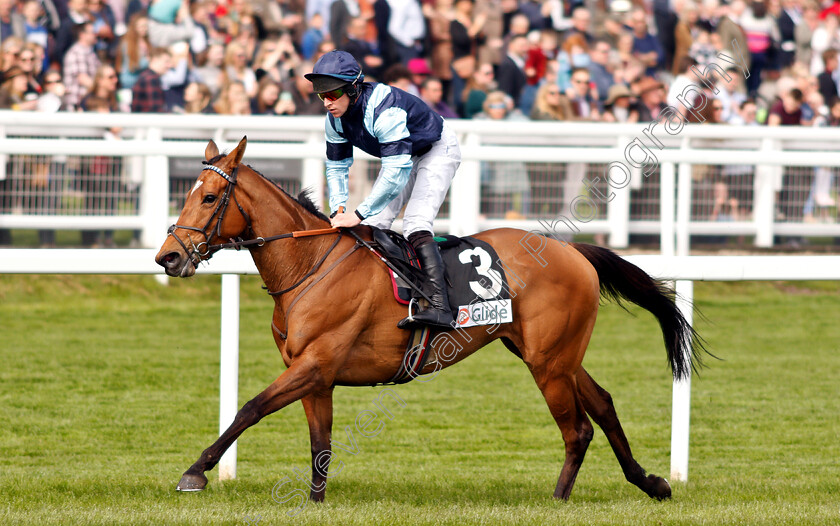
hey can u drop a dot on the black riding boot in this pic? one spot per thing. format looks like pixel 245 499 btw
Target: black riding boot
pixel 438 314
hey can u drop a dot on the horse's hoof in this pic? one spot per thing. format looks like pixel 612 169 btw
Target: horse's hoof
pixel 192 482
pixel 661 490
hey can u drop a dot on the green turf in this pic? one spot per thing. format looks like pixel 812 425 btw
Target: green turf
pixel 109 391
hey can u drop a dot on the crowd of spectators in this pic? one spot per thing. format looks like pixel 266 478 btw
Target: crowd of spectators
pixel 602 60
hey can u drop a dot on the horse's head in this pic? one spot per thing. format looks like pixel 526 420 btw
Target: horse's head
pixel 206 218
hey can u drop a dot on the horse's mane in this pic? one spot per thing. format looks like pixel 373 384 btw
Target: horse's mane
pixel 304 198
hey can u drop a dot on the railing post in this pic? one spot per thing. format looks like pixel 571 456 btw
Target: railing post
pixel 313 171
pixel 154 195
pixel 768 179
pixel 681 398
pixel 465 193
pixel 618 209
pixel 229 369
pixel 667 189
pixel 683 209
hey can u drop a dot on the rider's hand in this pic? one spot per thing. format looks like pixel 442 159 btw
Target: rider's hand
pixel 345 220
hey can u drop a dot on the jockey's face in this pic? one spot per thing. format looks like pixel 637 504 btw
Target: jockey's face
pixel 339 106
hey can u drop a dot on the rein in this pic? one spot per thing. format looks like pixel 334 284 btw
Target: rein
pixel 204 250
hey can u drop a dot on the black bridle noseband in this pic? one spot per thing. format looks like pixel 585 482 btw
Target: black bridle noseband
pixel 204 250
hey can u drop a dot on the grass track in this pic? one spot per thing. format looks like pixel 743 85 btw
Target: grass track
pixel 109 390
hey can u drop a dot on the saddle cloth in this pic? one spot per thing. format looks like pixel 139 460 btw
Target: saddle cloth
pixel 477 285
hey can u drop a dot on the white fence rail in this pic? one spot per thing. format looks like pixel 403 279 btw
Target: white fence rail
pixel 683 269
pixel 521 174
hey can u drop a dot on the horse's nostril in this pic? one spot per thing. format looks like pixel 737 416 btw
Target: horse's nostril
pixel 170 258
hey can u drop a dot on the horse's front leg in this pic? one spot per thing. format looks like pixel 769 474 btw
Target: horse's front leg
pixel 319 414
pixel 300 379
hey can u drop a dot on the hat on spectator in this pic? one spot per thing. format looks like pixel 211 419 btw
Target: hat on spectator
pixel 334 70
pixel 616 92
pixel 418 66
pixel 648 84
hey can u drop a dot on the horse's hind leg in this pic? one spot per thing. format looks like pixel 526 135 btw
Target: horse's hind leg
pixel 599 406
pixel 319 414
pixel 560 393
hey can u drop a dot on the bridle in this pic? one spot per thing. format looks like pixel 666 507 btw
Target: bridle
pixel 203 251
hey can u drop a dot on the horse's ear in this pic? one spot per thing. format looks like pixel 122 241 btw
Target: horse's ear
pixel 239 152
pixel 211 151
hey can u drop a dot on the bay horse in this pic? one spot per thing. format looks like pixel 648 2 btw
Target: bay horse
pixel 344 332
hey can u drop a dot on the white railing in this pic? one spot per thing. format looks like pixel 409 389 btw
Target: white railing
pixel 685 270
pixel 152 141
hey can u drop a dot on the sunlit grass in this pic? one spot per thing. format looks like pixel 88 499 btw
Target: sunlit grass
pixel 109 391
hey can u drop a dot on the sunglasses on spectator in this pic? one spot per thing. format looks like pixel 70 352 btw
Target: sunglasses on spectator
pixel 498 106
pixel 552 92
pixel 332 95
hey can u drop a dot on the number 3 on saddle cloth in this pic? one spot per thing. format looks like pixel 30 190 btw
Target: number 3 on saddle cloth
pixel 477 286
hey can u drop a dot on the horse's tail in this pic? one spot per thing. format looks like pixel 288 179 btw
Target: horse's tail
pixel 623 280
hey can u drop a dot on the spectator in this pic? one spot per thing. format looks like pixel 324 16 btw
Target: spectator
pixel 29 61
pixel 761 33
pixel 788 19
pixel 511 76
pixel 618 106
pixel 406 28
pixel 646 47
pixel 12 47
pixel 599 70
pixel 13 91
pixel 34 26
pixel 147 94
pixel 651 99
pixel 11 22
pixel 826 36
pixel 80 65
pixel 439 15
pixel 551 105
pixel 731 94
pixel 431 91
pixel 104 22
pixel 170 22
pixel 197 98
pixel 684 35
pixel 245 33
pixel 804 31
pixel 475 92
pixel 304 99
pixel 400 77
pixel 341 12
pixel 362 50
pixel 819 197
pixel 787 111
pixel 270 100
pixel 133 50
pixel 211 71
pixel 583 96
pixel 105 84
pixel 581 20
pixel 237 68
pixel 729 29
pixel 746 114
pixel 77 13
pixel 504 183
pixel 233 100
pixel 826 81
pixel 466 32
pixel 52 97
pixel 312 37
pixel 274 60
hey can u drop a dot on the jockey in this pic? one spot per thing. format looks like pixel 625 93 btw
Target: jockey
pixel 419 157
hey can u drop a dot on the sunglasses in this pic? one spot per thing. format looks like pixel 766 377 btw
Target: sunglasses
pixel 332 95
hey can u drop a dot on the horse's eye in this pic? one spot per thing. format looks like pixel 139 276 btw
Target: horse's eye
pixel 209 198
